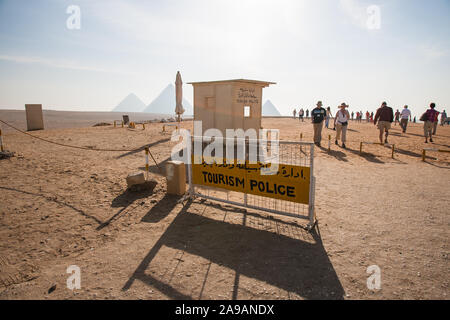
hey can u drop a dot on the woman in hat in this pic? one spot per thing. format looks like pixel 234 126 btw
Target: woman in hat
pixel 341 124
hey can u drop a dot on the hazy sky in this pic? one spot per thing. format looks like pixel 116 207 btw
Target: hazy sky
pixel 327 50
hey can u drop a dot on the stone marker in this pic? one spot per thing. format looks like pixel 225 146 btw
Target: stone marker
pixel 176 177
pixel 35 119
pixel 135 178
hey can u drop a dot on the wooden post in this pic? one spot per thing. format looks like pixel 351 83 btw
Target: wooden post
pixel 1 141
pixel 114 123
pixel 146 163
pixel 360 148
pixel 393 150
pixel 329 142
pixel 122 123
pixel 423 155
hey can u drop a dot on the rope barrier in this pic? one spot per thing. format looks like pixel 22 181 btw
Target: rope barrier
pixel 75 147
pixel 424 152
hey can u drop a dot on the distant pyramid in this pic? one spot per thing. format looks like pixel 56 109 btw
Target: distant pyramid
pixel 269 109
pixel 130 104
pixel 165 103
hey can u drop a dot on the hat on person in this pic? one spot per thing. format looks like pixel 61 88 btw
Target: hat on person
pixel 344 105
pixel 319 102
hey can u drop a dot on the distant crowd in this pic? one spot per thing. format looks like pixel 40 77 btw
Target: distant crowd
pixel 383 119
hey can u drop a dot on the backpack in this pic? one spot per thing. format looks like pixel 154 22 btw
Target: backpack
pixel 424 117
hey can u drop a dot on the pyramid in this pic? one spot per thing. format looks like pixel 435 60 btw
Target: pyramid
pixel 165 103
pixel 130 104
pixel 268 109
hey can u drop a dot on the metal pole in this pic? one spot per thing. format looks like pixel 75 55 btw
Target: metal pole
pixel 311 186
pixel 191 188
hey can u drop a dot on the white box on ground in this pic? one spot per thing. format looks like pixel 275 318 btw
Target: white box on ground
pixel 135 178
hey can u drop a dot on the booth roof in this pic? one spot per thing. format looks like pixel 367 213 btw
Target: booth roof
pixel 257 82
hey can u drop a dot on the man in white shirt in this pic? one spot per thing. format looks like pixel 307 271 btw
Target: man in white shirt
pixel 406 114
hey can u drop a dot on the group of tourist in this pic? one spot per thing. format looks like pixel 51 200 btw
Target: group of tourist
pixel 383 119
pixel 301 114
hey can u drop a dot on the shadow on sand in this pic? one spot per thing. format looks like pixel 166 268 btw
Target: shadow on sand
pixel 123 201
pixel 287 262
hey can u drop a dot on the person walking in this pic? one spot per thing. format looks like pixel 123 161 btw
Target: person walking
pixel 443 117
pixel 307 113
pixel 435 123
pixel 294 113
pixel 405 115
pixel 353 114
pixel 397 117
pixel 384 117
pixel 428 119
pixel 341 124
pixel 327 118
pixel 300 114
pixel 367 116
pixel 318 114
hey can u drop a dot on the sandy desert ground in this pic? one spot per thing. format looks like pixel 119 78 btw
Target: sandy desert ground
pixel 61 207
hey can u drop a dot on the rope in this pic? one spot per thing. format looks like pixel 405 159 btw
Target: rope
pixel 77 147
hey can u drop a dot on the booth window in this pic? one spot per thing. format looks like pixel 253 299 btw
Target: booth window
pixel 247 112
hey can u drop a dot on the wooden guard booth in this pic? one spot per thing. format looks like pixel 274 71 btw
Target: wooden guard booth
pixel 229 104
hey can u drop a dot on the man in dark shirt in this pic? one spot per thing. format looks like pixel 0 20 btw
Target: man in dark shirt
pixel 384 117
pixel 318 114
pixel 430 118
